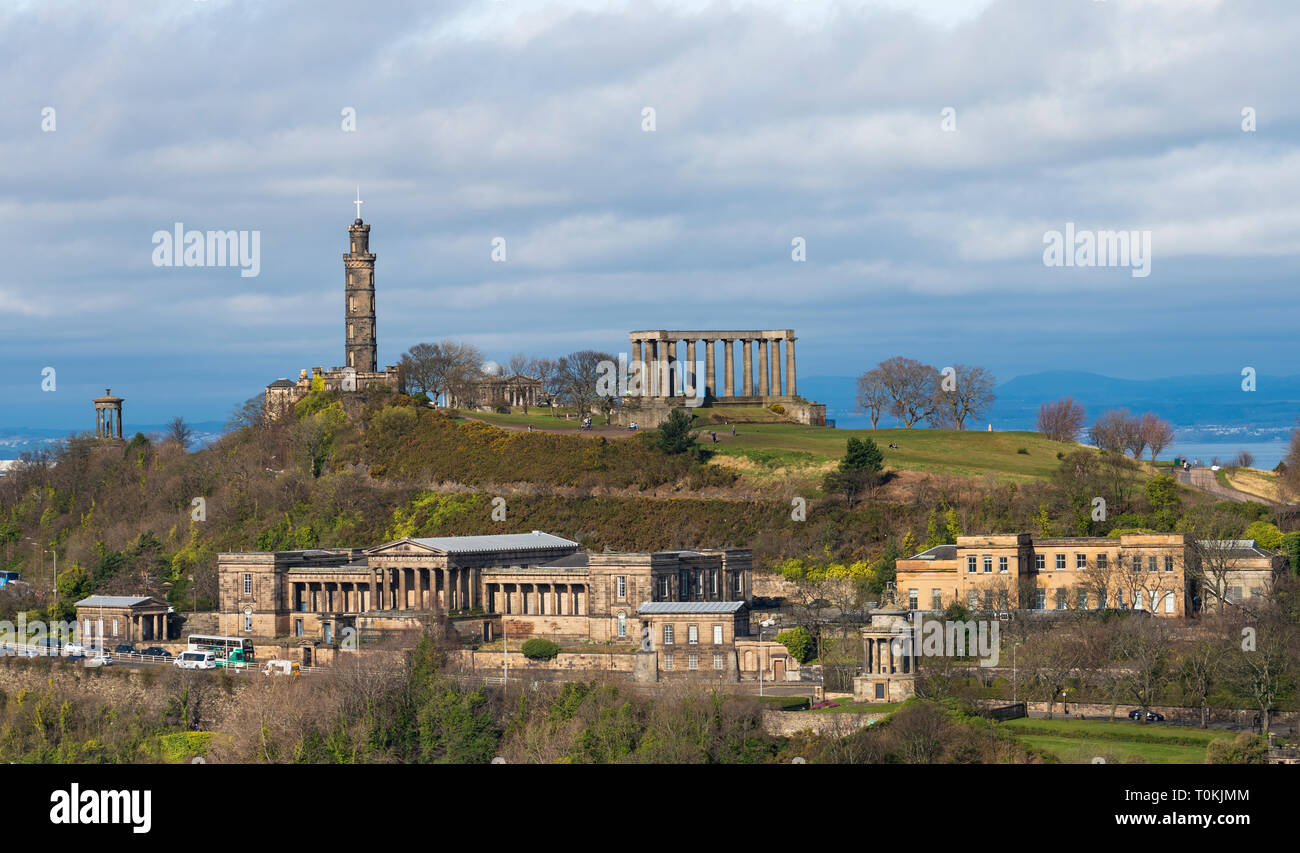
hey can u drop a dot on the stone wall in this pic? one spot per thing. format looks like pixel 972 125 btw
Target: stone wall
pixel 563 662
pixel 787 723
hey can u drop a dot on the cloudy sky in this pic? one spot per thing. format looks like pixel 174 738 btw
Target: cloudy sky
pixel 921 149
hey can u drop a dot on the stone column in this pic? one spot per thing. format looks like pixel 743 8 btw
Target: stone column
pixel 401 588
pixel 747 370
pixel 672 384
pixel 710 374
pixel 475 584
pixel 653 370
pixel 728 369
pixel 762 367
pixel 789 367
pixel 373 597
pixel 774 367
pixel 636 369
pixel 689 379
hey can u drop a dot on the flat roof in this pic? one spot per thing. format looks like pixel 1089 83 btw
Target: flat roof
pixel 492 542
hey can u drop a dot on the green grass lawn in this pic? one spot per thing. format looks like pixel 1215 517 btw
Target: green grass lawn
pixel 539 418
pixel 966 452
pixel 1079 741
pixel 1083 751
pixel 864 708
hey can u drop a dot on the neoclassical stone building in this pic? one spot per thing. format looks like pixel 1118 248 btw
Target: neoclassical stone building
pixel 524 583
pixel 1156 572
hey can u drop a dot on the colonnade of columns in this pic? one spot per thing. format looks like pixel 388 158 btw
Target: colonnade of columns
pixel 108 416
pixel 390 588
pixel 537 599
pixel 879 657
pixel 665 376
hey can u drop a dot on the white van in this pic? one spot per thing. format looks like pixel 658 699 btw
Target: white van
pixel 205 659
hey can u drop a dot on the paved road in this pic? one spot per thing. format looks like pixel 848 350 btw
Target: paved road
pixel 1205 480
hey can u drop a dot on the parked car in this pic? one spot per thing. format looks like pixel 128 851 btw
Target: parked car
pixel 102 659
pixel 124 649
pixel 1152 716
pixel 154 651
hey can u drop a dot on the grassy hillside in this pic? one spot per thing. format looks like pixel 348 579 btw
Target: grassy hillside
pixel 1080 741
pixel 964 452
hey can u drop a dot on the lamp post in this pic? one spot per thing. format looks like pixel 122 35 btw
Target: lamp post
pixel 1013 673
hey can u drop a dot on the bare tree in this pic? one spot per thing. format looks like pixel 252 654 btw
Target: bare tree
pixel 1210 568
pixel 873 395
pixel 970 396
pixel 1200 670
pixel 1289 468
pixel 442 368
pixel 1157 433
pixel 247 414
pixel 1145 652
pixel 179 432
pixel 1245 459
pixel 578 377
pixel 1061 420
pixel 911 388
pixel 1110 431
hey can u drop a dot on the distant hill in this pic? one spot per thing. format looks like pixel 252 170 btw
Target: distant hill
pixel 14 441
pixel 1201 406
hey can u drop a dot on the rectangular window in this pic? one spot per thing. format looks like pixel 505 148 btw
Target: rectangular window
pixel 1169 602
pixel 880 691
pixel 693 635
pixel 248 622
pixel 87 635
pixel 988 599
pixel 972 565
pixel 1002 599
pixel 1040 599
pixel 911 599
pixel 1040 561
pixel 973 599
pixel 668 661
pixel 1102 561
pixel 1169 564
pixel 1119 598
pixel 1002 565
pixel 936 599
pixel 692 661
pixel 1083 599
pixel 988 564
pixel 1060 561
pixel 297 627
pixel 717 635
pixel 1101 599
pixel 1256 591
pixel 1137 600
pixel 248 584
pixel 740 587
pixel 1081 561
pixel 1137 564
pixel 663 589
pixel 1151 564
pixel 621 584
pixel 1060 598
pixel 1234 594
pixel 668 635
pixel 115 621
pixel 717 661
pixel 713 582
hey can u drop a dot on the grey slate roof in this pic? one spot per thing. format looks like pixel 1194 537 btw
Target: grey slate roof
pixel 658 607
pixel 938 552
pixel 495 542
pixel 114 600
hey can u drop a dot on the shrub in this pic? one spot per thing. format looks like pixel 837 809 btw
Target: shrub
pixel 778 408
pixel 798 642
pixel 1022 451
pixel 1246 748
pixel 539 649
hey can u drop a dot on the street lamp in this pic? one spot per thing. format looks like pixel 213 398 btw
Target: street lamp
pixel 1013 673
pixel 766 623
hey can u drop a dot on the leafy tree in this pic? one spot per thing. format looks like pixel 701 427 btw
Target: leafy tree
pixel 674 436
pixel 1266 535
pixel 858 472
pixel 799 643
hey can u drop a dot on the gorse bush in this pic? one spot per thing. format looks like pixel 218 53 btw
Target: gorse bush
pixel 539 648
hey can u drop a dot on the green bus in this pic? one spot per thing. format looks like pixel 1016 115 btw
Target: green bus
pixel 236 652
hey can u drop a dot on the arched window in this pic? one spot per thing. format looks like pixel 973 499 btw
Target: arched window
pixel 622 624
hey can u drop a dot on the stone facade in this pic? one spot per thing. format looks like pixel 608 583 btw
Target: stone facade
pixel 888 667
pixel 1145 571
pixel 107 620
pixel 534 584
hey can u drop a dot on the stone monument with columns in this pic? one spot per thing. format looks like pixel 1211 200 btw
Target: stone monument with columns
pixel 888 658
pixel 108 416
pixel 671 368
